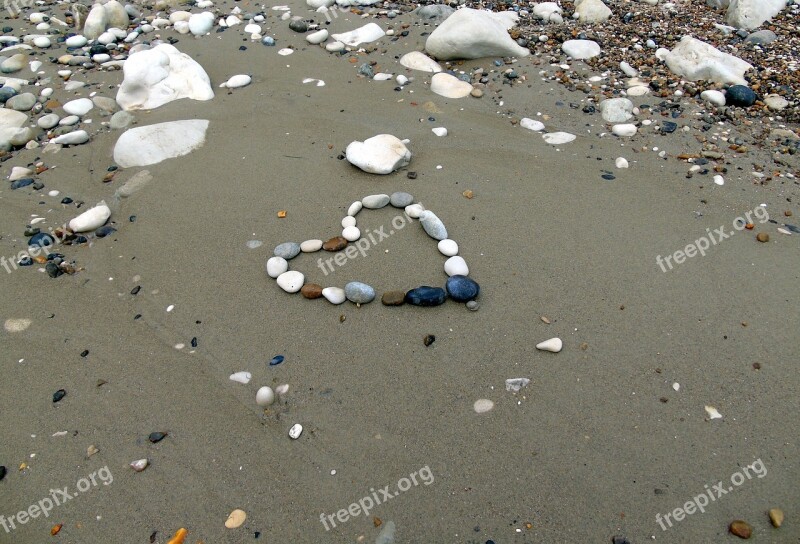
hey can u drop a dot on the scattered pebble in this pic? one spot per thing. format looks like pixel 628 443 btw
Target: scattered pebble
pixel 483 405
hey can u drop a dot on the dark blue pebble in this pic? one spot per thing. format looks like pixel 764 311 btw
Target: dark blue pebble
pixel 462 288
pixel 104 231
pixel 80 239
pixel 25 261
pixel 42 240
pixel 278 359
pixel 132 219
pixel 608 177
pixel 668 127
pixel 426 296
pixel 58 395
pixel 53 270
pixel 3 472
pixel 66 200
pixel 739 95
pixel 24 182
pixel 6 93
pixel 793 228
pixel 52 256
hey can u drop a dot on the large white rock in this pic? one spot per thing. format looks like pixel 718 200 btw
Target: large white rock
pixel 96 22
pixel 751 14
pixel 316 4
pixel 581 49
pixel 592 11
pixel 381 154
pixel 116 15
pixel 365 34
pixel 546 10
pixel 91 219
pixel 450 86
pixel 76 137
pixel 12 119
pixel 616 110
pixel 201 24
pixel 152 144
pixel 695 60
pixel 156 76
pixel 420 61
pixel 474 34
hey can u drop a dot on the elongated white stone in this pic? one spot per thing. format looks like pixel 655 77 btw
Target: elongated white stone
pixel 241 377
pixel 554 345
pixel 91 219
pixel 234 82
pixel 334 295
pixel 310 246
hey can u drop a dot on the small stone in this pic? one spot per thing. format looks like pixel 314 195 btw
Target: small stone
pixel 414 211
pixel 298 25
pixel 265 396
pixel 482 406
pixel 235 519
pixel 351 233
pixel 58 395
pixel 354 208
pixel 775 515
pixel 291 281
pixel 311 291
pixel 359 293
pixel 456 266
pixel 287 250
pixel 553 345
pixel 621 162
pixel 741 529
pixel 668 127
pixel 432 225
pixel 295 431
pixel 448 248
pixel 400 199
pixel 375 202
pixel 3 472
pixel 426 296
pixel 334 295
pixel 762 237
pixel 624 130
pixel 275 361
pixel 276 266
pixel 461 288
pixel 473 305
pixel 428 340
pixel 156 437
pixel 335 244
pixel 476 93
pixel 740 95
pixel 311 246
pixel 393 298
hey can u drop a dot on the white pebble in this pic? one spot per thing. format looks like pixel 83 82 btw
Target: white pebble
pixel 351 234
pixel 310 246
pixel 448 247
pixel 456 266
pixel 291 281
pixel 553 344
pixel 276 266
pixel 482 406
pixel 265 396
pixel 719 180
pixel 354 208
pixel 348 221
pixel 334 295
pixel 621 162
pixel 295 431
pixel 439 131
pixel 241 377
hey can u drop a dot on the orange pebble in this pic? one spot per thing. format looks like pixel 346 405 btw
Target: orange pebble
pixel 750 226
pixel 282 214
pixel 56 529
pixel 179 537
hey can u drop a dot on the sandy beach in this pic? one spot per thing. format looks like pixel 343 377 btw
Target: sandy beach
pixel 611 434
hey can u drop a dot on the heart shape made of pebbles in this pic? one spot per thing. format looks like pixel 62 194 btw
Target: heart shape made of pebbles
pixel 459 287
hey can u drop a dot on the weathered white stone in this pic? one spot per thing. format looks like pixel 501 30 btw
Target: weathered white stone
pixel 201 24
pixel 546 10
pixel 75 137
pixel 621 162
pixel 713 96
pixel 456 266
pixel 581 49
pixel 751 14
pixel 450 86
pixel 558 138
pixel 91 219
pixel 334 295
pixel 696 60
pixel 276 266
pixel 448 247
pixel 316 38
pixel 624 129
pixel 365 34
pixel 474 34
pixel 416 60
pixel 554 345
pixel 152 144
pixel 96 22
pixel 237 81
pixel 291 281
pixel 592 11
pixel 310 246
pixel 531 124
pixel 616 110
pixel 381 154
pixel 79 107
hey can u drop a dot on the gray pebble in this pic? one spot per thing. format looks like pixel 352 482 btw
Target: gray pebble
pixel 287 250
pixel 433 225
pixel 358 292
pixel 400 199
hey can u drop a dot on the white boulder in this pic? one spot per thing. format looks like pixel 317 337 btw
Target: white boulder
pixel 381 154
pixel 473 34
pixel 156 76
pixel 616 110
pixel 96 22
pixel 581 49
pixel 547 11
pixel 450 86
pixel 751 14
pixel 152 144
pixel 695 60
pixel 592 11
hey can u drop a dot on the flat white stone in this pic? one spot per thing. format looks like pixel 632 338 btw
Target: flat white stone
pixel 580 49
pixel 286 51
pixel 334 295
pixel 351 234
pixel 416 60
pixel 237 81
pixel 91 219
pixel 696 60
pixel 554 345
pixel 70 120
pixel 450 86
pixel 76 137
pixel 624 129
pixel 317 37
pixel 439 131
pixel 42 42
pixel 719 180
pixel 515 384
pixel 276 266
pixel 638 90
pixel 381 154
pixel 401 80
pixel 621 162
pixel 448 247
pixel 473 34
pixel 296 431
pixel 348 221
pixel 616 110
pixel 481 406
pixel 310 246
pixel 366 34
pixel 19 172
pixel 592 11
pixel 79 107
pixel 151 144
pixel 96 22
pixel 376 202
pixel 558 138
pixel 751 14
pixel 157 76
pixel 291 281
pixel 334 47
pixel 713 96
pixel 76 41
pixel 241 377
pixel 354 208
pixel 531 124
pixel 456 266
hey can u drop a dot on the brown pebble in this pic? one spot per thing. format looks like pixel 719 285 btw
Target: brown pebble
pixel 393 298
pixel 281 214
pixel 335 244
pixel 756 366
pixel 376 521
pixel 584 346
pixel 468 194
pixel 788 213
pixel 762 237
pixel 544 319
pixel 776 517
pixel 428 340
pixel 311 290
pixel 741 529
pixel 476 93
pixel 342 318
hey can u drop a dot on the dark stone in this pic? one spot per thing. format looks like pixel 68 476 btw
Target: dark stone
pixel 393 298
pixel 25 261
pixel 620 540
pixel 53 270
pixel 66 200
pixel 37 185
pixel 20 183
pixel 104 231
pixel 668 127
pixel 608 177
pixel 462 288
pixel 739 95
pixel 58 395
pixel 31 231
pixel 366 71
pixel 135 290
pixel 426 296
pixel 156 437
pixel 278 359
pixel 3 472
pixel 84 353
pixel 411 175
pixel 6 93
pixel 428 340
pixel 335 244
pixel 311 290
pixel 298 25
pixel 193 343
pixel 41 239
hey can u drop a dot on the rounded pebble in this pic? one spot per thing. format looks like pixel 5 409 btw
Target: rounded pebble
pixel 276 266
pixel 291 281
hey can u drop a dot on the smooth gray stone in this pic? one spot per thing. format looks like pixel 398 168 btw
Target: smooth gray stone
pixel 287 250
pixel 433 225
pixel 400 199
pixel 358 292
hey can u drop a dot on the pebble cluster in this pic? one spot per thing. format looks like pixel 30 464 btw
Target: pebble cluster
pixel 459 286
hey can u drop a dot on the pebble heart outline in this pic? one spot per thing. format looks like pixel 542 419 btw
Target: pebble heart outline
pixel 458 287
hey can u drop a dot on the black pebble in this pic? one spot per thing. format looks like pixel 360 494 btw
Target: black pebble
pixel 156 437
pixel 53 270
pixel 739 95
pixel 668 127
pixel 25 261
pixel 136 289
pixel 58 395
pixel 132 219
pixel 609 177
pixel 104 231
pixel 194 342
pixel 428 340
pixel 3 472
pixel 242 48
pixel 84 353
pixel 620 540
pixel 411 175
